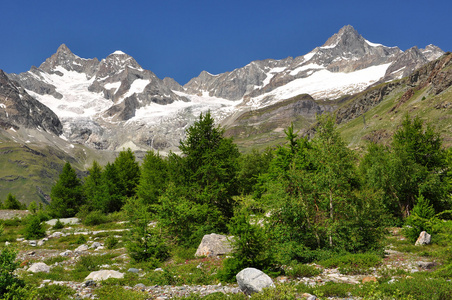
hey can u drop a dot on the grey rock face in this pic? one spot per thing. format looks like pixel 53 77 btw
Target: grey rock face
pixel 214 244
pixel 251 280
pixel 104 275
pixel 39 267
pixel 20 109
pixel 423 239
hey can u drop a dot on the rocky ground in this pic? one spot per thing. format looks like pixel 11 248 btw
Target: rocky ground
pixel 33 253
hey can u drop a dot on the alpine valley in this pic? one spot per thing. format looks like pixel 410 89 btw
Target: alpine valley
pixel 79 110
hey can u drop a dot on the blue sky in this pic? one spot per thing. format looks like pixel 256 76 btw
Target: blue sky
pixel 180 38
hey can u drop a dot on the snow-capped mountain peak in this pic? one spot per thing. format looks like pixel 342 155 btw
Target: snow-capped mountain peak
pixel 114 102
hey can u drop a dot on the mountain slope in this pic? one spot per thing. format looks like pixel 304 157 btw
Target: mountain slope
pixel 375 114
pixel 114 103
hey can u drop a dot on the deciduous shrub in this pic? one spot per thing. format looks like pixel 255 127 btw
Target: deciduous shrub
pixel 34 229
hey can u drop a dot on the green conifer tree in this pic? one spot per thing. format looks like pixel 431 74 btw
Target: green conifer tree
pixel 11 202
pixel 66 194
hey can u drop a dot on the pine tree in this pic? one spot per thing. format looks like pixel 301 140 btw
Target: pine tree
pixel 11 202
pixel 210 165
pixel 66 194
pixel 95 188
pixel 127 173
pixel 154 175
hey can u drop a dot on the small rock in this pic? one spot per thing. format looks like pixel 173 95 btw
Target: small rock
pixel 133 270
pixel 31 253
pixel 39 267
pixel 66 253
pixel 32 243
pixel 393 280
pixel 423 239
pixel 89 283
pixel 251 280
pixel 369 279
pixel 425 264
pixel 7 243
pixel 56 235
pixel 96 245
pixel 20 239
pixel 158 270
pixel 40 243
pixel 140 287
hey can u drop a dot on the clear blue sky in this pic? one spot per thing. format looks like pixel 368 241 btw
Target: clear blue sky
pixel 180 38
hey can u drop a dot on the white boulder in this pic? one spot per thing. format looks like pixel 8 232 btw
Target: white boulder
pixel 251 280
pixel 39 267
pixel 104 275
pixel 214 244
pixel 423 239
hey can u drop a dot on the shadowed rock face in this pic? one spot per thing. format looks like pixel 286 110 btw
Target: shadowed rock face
pixel 20 109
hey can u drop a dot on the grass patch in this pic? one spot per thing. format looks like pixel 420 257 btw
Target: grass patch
pixel 119 293
pixel 301 270
pixel 419 286
pixel 353 264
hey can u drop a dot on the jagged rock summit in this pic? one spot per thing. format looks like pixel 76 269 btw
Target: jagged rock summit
pixel 115 103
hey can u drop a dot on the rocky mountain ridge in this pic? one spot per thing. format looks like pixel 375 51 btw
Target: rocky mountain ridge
pixel 114 103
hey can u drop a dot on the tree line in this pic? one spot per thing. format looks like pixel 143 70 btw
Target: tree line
pixel 293 202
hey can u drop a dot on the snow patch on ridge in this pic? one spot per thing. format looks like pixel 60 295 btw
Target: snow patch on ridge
pixel 137 87
pixel 324 84
pixel 373 44
pixel 153 113
pixel 77 100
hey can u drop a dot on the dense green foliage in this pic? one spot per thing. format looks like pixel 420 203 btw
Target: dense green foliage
pixel 12 203
pixel 8 282
pixel 34 229
pixel 413 165
pixel 66 194
pixel 305 201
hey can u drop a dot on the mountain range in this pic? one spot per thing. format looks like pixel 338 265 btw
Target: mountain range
pixel 90 108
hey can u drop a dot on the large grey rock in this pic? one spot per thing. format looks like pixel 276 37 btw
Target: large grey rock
pixel 65 221
pixel 39 267
pixel 251 280
pixel 423 239
pixel 214 244
pixel 81 248
pixel 104 275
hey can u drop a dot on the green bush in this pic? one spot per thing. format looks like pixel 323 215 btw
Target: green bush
pixel 118 293
pixel 54 291
pixel 34 229
pixel 58 225
pixel 12 203
pixel 421 219
pixel 81 239
pixel 250 248
pixel 111 242
pixel 352 264
pixel 419 286
pixel 8 265
pixel 301 270
pixel 95 217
